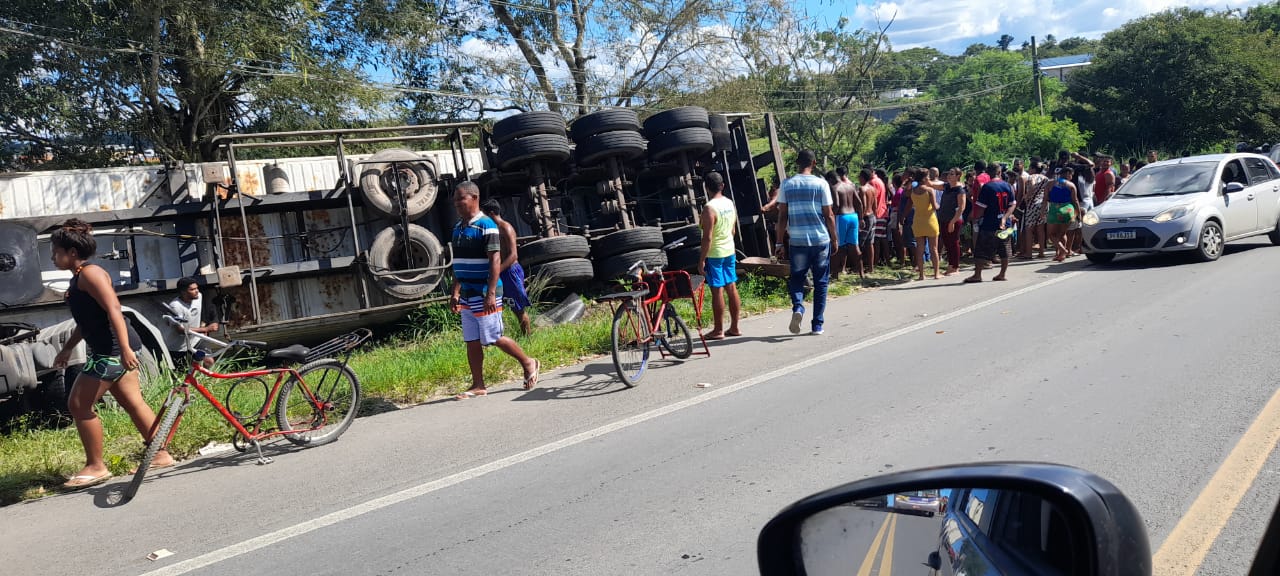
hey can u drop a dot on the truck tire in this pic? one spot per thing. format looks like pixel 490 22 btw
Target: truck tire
pixel 57 389
pixel 548 147
pixel 566 272
pixel 676 119
pixel 625 143
pixel 386 253
pixel 686 259
pixel 617 266
pixel 695 141
pixel 416 177
pixel 554 248
pixel 691 233
pixel 603 121
pixel 614 243
pixel 720 135
pixel 527 124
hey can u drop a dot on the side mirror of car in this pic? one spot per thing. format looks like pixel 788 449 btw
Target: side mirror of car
pixel 1232 188
pixel 1056 519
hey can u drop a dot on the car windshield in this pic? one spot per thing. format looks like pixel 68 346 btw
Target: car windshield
pixel 1169 180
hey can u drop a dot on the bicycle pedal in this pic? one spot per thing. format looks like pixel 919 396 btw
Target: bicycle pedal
pixel 264 461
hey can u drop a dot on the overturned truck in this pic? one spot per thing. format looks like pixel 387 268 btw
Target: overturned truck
pixel 298 249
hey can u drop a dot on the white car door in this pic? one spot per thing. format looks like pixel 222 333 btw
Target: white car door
pixel 1239 209
pixel 1266 189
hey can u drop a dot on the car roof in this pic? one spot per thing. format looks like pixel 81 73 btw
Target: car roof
pixel 1218 158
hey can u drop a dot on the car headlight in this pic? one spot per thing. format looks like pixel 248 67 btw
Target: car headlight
pixel 1171 214
pixel 1090 219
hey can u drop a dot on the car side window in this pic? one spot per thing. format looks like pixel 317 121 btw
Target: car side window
pixel 979 507
pixel 1271 167
pixel 1258 172
pixel 1234 172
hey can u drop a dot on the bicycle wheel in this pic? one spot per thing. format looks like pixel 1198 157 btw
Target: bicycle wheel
pixel 630 344
pixel 336 390
pixel 172 410
pixel 676 338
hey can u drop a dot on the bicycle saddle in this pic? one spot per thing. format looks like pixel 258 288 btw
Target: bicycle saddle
pixel 294 353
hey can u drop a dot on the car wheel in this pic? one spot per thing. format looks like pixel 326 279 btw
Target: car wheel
pixel 1275 234
pixel 1211 242
pixel 1100 258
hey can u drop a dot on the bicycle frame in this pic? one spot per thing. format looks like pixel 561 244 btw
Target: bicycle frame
pixel 252 436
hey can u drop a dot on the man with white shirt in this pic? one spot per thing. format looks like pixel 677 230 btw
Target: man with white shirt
pixel 188 307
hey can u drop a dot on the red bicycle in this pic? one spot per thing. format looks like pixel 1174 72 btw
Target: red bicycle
pixel 645 316
pixel 314 404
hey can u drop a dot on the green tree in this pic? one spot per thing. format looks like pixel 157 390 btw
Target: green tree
pixel 1028 133
pixel 1180 80
pixel 1004 41
pixel 174 73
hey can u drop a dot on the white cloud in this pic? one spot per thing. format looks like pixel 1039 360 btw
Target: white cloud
pixel 952 25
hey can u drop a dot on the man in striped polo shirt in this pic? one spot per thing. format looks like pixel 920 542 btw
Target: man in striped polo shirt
pixel 804 206
pixel 477 289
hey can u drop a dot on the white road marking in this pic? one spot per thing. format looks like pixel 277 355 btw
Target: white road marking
pixel 332 518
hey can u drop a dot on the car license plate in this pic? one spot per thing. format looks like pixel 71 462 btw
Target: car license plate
pixel 1122 235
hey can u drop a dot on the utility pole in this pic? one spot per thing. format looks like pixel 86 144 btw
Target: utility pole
pixel 1035 68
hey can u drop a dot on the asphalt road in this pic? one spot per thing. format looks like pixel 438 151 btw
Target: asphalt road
pixel 1147 372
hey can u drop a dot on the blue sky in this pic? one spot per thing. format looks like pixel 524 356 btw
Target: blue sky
pixel 952 25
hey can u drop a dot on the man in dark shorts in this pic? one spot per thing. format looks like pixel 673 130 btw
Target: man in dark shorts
pixel 993 211
pixel 512 273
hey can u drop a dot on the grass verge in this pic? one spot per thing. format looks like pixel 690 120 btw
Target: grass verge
pixel 421 359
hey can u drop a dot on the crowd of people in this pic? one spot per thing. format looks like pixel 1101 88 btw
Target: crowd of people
pixel 991 212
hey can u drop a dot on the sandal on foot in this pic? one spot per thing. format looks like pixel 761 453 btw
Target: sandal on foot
pixel 733 333
pixel 972 280
pixel 714 336
pixel 469 394
pixel 531 380
pixel 84 481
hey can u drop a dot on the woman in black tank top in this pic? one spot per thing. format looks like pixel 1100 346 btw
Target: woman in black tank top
pixel 111 360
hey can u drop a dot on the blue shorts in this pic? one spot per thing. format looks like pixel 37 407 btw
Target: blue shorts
pixel 722 272
pixel 847 229
pixel 513 287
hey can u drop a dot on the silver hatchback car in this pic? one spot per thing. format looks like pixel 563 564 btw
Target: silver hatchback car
pixel 1194 204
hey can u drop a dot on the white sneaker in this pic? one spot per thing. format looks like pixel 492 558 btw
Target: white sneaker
pixel 817 332
pixel 796 317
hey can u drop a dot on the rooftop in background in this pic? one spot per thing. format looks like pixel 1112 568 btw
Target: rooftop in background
pixel 1066 61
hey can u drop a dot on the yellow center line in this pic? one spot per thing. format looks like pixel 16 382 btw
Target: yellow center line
pixel 886 561
pixel 869 561
pixel 1184 550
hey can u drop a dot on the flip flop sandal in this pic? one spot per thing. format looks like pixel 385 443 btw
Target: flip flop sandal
pixel 469 395
pixel 531 380
pixel 86 482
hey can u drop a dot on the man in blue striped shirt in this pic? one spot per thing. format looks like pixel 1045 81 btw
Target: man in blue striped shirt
pixel 804 206
pixel 477 289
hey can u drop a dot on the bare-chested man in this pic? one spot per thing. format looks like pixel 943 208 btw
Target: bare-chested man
pixel 848 206
pixel 512 273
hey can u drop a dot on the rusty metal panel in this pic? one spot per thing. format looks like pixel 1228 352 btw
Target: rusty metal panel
pixel 27 194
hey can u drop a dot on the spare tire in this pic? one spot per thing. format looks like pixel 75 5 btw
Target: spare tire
pixel 414 175
pixel 387 254
pixel 614 243
pixel 695 141
pixel 604 121
pixel 527 124
pixel 20 264
pixel 676 119
pixel 617 266
pixel 554 248
pixel 625 143
pixel 566 272
pixel 549 147
pixel 720 134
